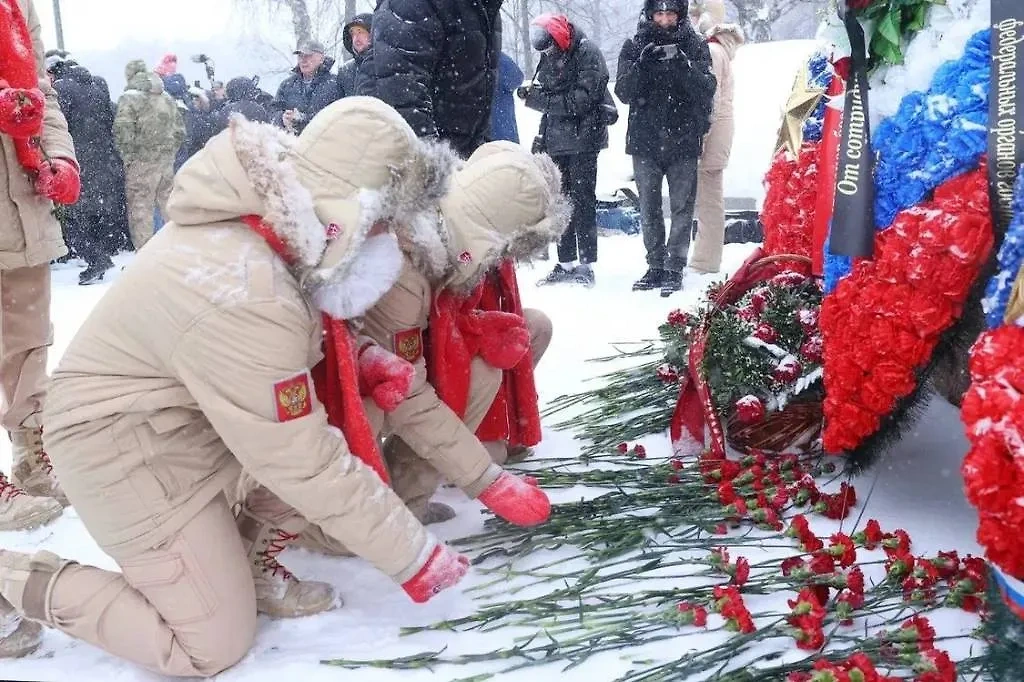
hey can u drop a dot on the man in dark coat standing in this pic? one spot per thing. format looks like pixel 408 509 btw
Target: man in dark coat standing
pixel 569 89
pixel 503 115
pixel 311 88
pixel 665 77
pixel 436 62
pixel 357 35
pixel 95 216
pixel 242 98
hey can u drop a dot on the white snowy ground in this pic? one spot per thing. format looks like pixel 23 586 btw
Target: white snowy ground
pixel 918 487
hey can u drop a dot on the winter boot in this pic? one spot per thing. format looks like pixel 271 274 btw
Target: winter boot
pixel 280 594
pixel 583 274
pixel 25 581
pixel 557 276
pixel 652 279
pixel 92 274
pixel 518 453
pixel 32 470
pixel 18 636
pixel 672 283
pixel 19 511
pixel 434 512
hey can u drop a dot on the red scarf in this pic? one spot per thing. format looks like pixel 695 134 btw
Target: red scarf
pixel 19 86
pixel 336 377
pixel 458 333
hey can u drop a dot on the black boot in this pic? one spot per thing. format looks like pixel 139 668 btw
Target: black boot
pixel 557 276
pixel 671 283
pixel 93 274
pixel 583 274
pixel 651 280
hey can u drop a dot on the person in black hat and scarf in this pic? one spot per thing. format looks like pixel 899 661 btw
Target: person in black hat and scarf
pixel 665 77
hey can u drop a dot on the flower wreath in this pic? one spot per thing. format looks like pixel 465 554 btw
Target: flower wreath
pixel 789 204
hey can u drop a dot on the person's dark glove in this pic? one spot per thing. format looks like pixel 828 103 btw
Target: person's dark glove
pixel 648 53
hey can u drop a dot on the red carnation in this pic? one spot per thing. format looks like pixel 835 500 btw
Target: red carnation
pixel 677 318
pixel 750 409
pixel 934 665
pixel 740 572
pixel 842 548
pixel 766 333
pixel 823 564
pixel 788 370
pixel 871 537
pixel 918 629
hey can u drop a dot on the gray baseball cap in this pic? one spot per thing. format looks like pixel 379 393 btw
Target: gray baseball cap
pixel 311 47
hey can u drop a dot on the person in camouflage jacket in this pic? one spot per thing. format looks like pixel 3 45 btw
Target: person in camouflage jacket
pixel 148 130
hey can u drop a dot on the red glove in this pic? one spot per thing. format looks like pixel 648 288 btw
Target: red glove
pixel 501 339
pixel 517 500
pixel 384 376
pixel 59 181
pixel 443 569
pixel 21 112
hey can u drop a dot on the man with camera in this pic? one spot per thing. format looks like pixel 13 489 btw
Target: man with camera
pixel 666 79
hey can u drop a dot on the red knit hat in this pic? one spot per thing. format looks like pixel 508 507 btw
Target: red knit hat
pixel 558 26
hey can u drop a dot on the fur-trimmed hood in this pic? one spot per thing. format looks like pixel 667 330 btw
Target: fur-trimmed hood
pixel 355 164
pixel 504 203
pixel 729 36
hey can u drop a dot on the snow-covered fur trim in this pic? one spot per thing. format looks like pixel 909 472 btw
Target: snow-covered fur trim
pixel 425 180
pixel 262 150
pixel 368 278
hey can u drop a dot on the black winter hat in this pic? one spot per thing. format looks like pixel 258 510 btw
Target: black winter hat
pixel 363 20
pixel 677 6
pixel 242 89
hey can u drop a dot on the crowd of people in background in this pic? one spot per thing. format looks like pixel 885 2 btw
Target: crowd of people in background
pixel 675 75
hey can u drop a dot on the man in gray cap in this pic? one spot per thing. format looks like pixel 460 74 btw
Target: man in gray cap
pixel 309 89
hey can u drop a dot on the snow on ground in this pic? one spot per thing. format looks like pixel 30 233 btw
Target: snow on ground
pixel 918 489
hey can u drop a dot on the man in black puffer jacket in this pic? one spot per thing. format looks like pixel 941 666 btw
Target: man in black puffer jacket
pixel 91 220
pixel 357 37
pixel 436 61
pixel 242 98
pixel 569 89
pixel 666 79
pixel 311 88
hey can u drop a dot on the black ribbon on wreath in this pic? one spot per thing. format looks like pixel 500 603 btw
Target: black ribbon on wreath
pixel 853 221
pixel 1006 108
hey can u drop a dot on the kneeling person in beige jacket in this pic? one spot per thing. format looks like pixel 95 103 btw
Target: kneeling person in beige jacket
pixel 195 365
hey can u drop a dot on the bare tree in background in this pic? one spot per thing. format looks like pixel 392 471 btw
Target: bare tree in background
pixel 321 20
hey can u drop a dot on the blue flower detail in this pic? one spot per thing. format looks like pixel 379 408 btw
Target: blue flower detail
pixel 1011 259
pixel 933 137
pixel 819 75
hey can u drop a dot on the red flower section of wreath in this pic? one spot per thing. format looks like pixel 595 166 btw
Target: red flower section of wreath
pixel 993 469
pixel 789 204
pixel 883 321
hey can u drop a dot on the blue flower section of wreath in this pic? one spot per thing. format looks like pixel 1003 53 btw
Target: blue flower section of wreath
pixel 1011 259
pixel 819 75
pixel 933 137
pixel 834 267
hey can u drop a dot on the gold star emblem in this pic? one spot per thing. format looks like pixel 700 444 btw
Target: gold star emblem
pixel 802 102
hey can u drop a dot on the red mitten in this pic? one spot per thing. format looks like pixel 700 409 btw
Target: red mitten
pixel 385 377
pixel 21 112
pixel 59 181
pixel 502 338
pixel 517 500
pixel 443 569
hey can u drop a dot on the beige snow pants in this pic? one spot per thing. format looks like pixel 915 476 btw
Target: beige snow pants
pixel 25 334
pixel 185 608
pixel 710 239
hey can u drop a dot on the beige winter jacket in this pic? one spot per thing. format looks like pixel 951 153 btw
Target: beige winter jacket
pixel 196 362
pixel 505 203
pixel 29 233
pixel 723 41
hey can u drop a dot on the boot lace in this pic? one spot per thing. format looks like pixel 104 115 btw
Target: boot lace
pixel 8 491
pixel 275 546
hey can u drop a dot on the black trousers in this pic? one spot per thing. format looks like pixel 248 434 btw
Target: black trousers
pixel 89 237
pixel 579 182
